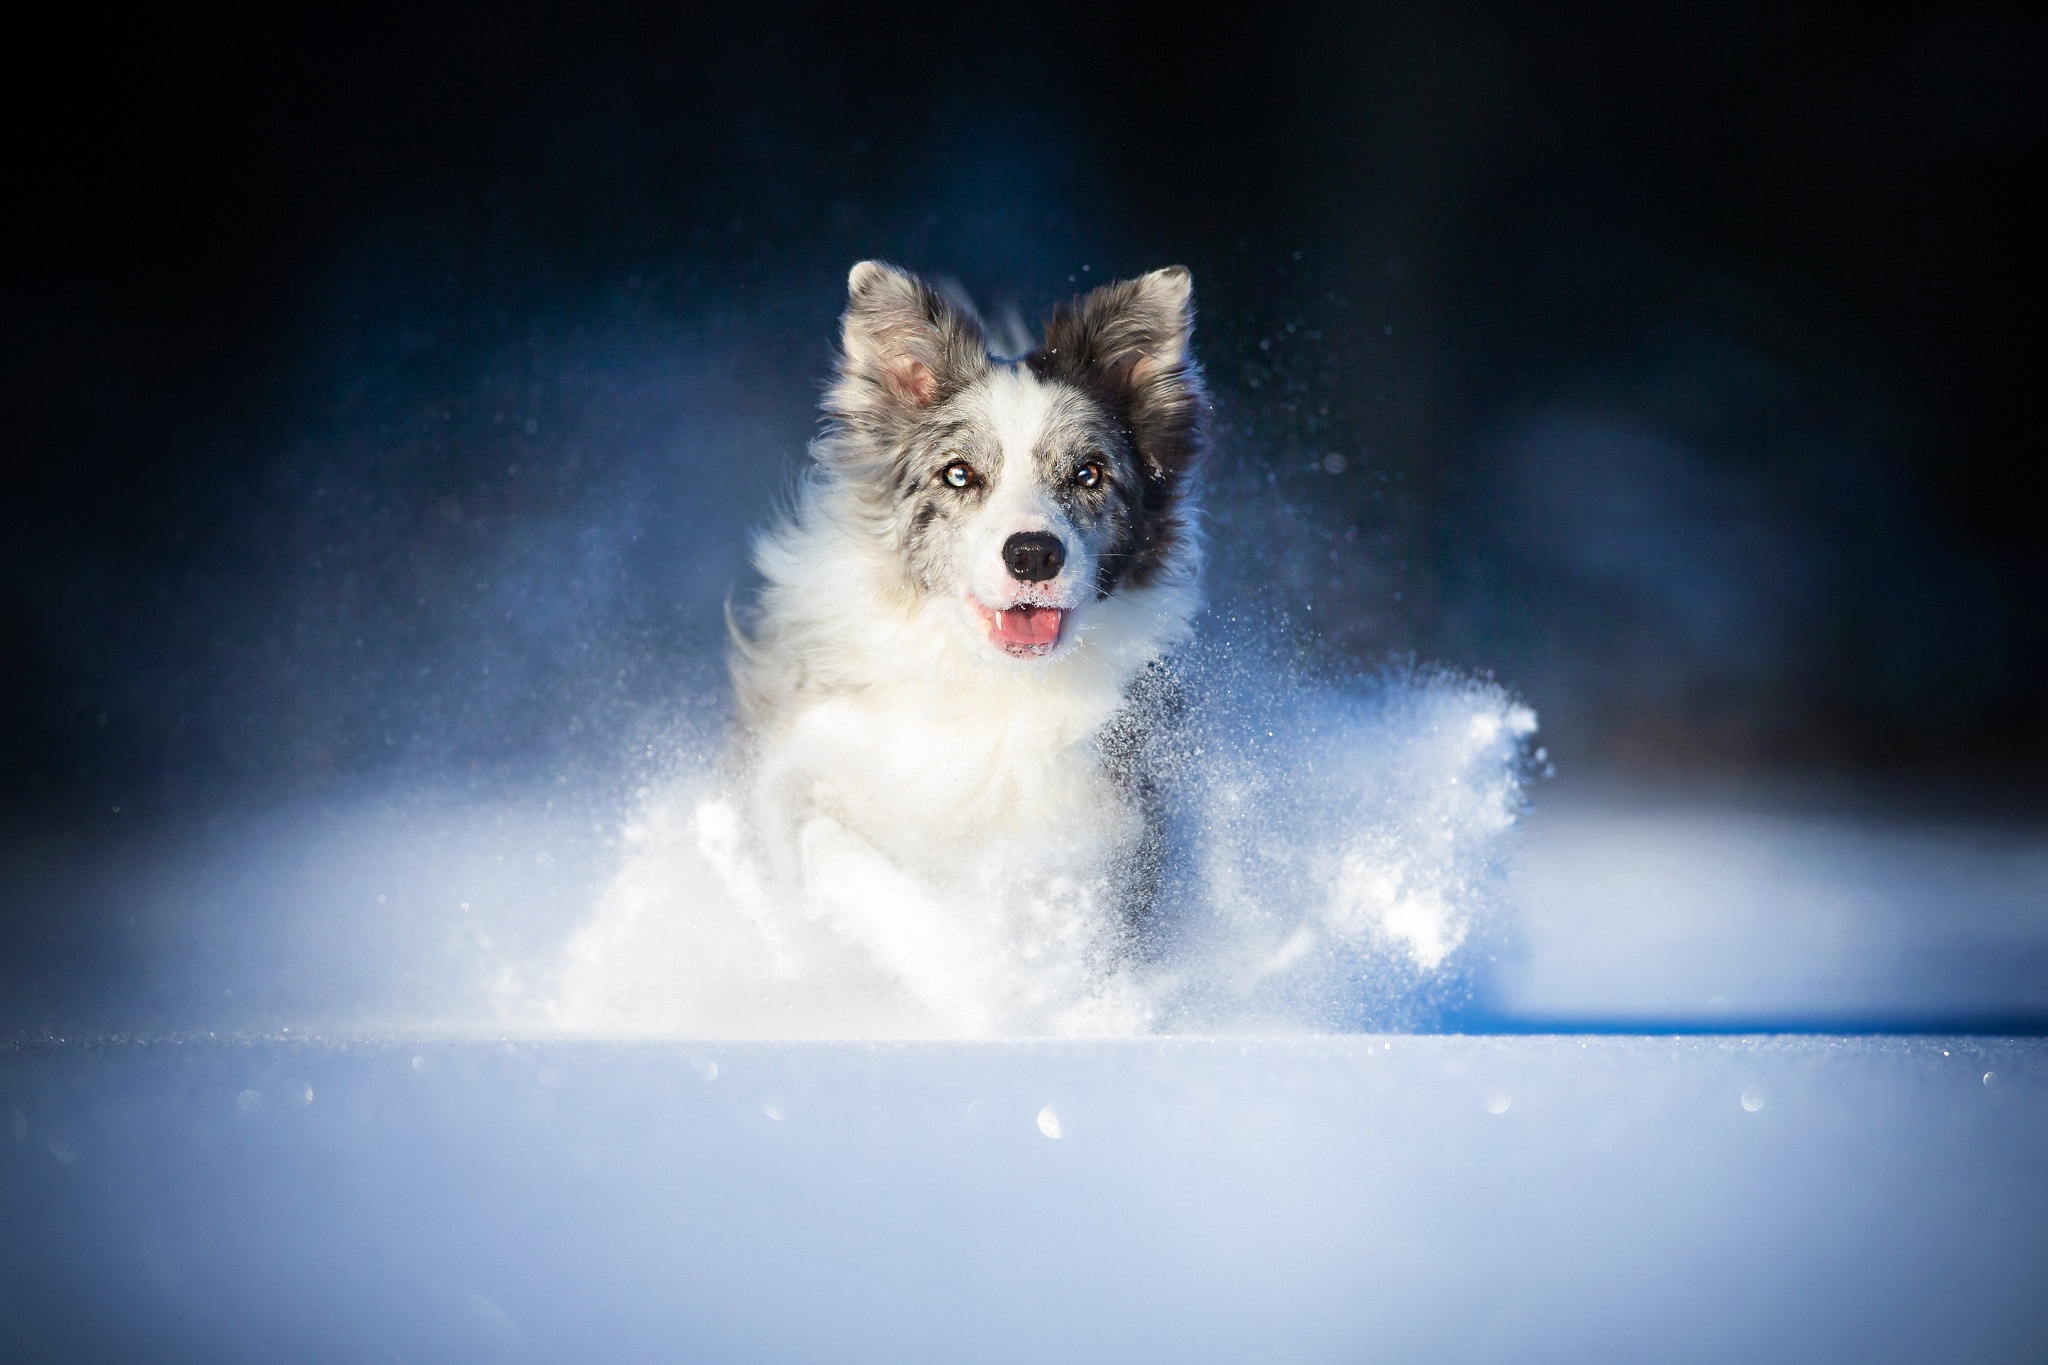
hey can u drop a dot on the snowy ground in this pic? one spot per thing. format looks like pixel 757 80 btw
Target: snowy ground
pixel 1405 1198
pixel 1623 911
pixel 1574 1188
pixel 1635 910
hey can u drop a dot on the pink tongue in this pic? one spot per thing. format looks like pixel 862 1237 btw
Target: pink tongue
pixel 1028 625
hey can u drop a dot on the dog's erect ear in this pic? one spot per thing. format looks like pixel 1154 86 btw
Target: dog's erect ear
pixel 1133 330
pixel 902 347
pixel 1129 341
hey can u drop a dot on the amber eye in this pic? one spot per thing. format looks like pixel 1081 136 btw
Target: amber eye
pixel 1089 475
pixel 959 474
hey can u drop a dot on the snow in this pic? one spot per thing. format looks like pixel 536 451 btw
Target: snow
pixel 319 1118
pixel 1634 909
pixel 1335 1198
pixel 450 915
pixel 1329 852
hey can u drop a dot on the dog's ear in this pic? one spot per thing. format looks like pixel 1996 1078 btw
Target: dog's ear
pixel 1128 341
pixel 902 346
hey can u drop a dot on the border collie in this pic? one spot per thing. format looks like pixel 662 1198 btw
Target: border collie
pixel 942 689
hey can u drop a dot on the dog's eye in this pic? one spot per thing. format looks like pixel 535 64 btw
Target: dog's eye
pixel 1089 475
pixel 958 474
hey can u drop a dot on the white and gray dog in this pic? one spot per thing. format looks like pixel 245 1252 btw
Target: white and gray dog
pixel 939 690
pixel 958 743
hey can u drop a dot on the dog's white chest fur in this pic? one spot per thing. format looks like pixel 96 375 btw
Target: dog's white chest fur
pixel 941 782
pixel 948 816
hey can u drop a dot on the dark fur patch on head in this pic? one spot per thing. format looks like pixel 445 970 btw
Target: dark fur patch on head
pixel 1126 346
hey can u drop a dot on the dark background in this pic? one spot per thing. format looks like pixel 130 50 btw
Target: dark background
pixel 390 391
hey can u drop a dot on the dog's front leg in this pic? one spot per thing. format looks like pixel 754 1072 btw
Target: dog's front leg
pixel 938 951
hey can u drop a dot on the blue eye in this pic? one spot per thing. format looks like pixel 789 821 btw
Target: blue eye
pixel 959 474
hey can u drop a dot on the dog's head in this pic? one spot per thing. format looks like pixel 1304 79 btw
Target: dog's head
pixel 1021 491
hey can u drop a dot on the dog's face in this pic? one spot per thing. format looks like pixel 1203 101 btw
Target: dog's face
pixel 1021 492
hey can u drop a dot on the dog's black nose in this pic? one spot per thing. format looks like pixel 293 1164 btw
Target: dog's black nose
pixel 1034 556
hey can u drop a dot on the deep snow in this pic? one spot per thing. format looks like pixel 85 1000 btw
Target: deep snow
pixel 1397 1197
pixel 420 1184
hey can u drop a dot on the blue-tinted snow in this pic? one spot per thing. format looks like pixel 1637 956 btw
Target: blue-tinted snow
pixel 1365 1197
pixel 449 916
pixel 1635 909
pixel 418 1184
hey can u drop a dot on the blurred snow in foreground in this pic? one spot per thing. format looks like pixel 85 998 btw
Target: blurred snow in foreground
pixel 1336 1199
pixel 389 1197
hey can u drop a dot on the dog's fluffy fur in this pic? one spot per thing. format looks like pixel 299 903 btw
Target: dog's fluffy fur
pixel 937 689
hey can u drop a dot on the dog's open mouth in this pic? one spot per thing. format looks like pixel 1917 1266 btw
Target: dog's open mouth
pixel 1024 630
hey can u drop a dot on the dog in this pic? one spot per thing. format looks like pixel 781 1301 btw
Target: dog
pixel 944 686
